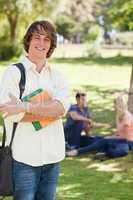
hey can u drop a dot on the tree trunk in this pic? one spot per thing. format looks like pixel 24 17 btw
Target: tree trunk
pixel 13 24
pixel 130 95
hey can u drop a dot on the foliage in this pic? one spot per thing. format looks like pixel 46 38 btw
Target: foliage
pixel 70 28
pixel 118 12
pixel 65 26
pixel 91 35
pixel 80 15
pixel 7 51
pixel 12 10
pixel 17 14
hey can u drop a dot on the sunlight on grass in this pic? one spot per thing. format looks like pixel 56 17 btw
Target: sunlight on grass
pixel 82 178
pixel 110 167
pixel 103 77
pixel 68 187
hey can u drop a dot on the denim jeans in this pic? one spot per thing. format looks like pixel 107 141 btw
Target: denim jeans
pixel 104 145
pixel 35 183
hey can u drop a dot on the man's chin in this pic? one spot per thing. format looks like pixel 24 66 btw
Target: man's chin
pixel 41 55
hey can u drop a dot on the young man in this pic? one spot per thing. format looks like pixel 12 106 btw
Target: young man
pixel 36 154
pixel 78 120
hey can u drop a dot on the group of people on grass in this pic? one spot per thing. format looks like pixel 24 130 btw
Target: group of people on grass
pixel 79 120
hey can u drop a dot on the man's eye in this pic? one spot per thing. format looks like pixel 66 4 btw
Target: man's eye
pixel 47 39
pixel 37 37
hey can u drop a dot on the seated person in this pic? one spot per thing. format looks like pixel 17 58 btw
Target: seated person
pixel 78 120
pixel 118 145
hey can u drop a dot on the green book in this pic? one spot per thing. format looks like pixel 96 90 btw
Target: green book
pixel 34 93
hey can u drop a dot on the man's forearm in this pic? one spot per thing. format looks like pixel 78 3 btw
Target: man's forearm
pixel 75 116
pixel 48 109
pixel 81 118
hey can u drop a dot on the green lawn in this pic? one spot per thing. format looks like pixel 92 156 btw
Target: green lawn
pixel 83 178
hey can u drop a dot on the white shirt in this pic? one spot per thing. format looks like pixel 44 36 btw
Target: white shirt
pixel 47 145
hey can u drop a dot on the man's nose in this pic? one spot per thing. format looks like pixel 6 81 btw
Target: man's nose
pixel 41 42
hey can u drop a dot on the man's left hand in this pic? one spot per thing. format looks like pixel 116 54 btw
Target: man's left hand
pixel 14 106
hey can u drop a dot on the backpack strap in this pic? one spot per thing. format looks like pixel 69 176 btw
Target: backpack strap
pixel 22 82
pixel 21 88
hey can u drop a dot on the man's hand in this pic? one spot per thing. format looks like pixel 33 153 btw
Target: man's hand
pixel 88 126
pixel 14 106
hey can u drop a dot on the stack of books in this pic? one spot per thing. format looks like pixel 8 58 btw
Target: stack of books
pixel 38 96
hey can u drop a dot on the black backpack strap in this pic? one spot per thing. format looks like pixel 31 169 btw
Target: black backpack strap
pixel 22 88
pixel 22 79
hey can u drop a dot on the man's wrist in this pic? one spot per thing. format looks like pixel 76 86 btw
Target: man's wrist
pixel 26 107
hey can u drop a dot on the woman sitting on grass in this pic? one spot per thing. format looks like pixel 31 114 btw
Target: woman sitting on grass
pixel 117 145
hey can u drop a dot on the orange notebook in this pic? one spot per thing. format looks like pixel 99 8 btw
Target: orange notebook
pixel 38 96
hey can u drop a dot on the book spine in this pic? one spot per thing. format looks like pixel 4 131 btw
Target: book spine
pixel 28 97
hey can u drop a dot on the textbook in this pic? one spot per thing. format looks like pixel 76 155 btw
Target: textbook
pixel 37 96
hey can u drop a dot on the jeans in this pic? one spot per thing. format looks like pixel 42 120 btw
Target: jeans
pixel 106 144
pixel 35 183
pixel 73 134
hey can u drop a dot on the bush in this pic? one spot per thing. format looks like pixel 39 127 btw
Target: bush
pixel 91 35
pixel 8 51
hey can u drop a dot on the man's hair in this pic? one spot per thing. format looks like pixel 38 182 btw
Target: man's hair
pixel 39 27
pixel 79 94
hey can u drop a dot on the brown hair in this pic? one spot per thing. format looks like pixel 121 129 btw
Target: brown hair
pixel 39 26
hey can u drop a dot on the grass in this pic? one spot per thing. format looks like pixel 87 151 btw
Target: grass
pixel 109 61
pixel 83 178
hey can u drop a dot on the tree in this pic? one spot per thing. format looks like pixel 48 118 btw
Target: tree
pixel 11 10
pixel 65 26
pixel 119 13
pixel 80 14
pixel 16 11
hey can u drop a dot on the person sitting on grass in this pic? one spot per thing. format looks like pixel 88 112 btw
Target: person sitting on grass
pixel 78 120
pixel 117 145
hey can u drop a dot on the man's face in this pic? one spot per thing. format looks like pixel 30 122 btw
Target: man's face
pixel 82 101
pixel 39 45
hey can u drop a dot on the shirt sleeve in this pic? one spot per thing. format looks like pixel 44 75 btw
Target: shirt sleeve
pixel 61 92
pixel 73 108
pixel 10 85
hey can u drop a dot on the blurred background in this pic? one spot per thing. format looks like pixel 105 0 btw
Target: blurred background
pixel 87 27
pixel 95 52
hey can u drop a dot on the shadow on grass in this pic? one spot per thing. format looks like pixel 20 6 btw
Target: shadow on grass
pixel 103 92
pixel 81 178
pixel 117 60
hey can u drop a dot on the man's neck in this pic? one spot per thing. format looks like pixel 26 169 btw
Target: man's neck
pixel 40 63
pixel 80 107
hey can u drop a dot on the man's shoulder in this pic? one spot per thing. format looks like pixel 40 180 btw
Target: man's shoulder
pixel 73 107
pixel 12 70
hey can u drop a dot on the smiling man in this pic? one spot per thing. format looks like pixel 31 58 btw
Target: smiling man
pixel 36 154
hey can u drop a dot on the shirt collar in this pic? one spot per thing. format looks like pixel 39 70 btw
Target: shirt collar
pixel 30 65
